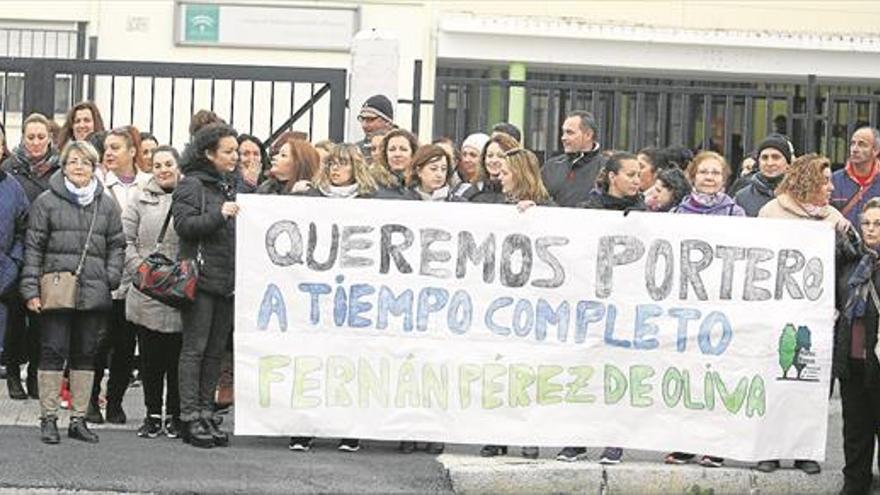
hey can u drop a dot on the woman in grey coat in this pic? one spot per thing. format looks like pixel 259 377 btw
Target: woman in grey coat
pixel 58 230
pixel 158 326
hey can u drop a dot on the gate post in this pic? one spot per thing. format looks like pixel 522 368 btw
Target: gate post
pixel 811 114
pixel 39 89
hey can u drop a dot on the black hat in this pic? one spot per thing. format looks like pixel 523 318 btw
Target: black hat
pixel 378 106
pixel 777 142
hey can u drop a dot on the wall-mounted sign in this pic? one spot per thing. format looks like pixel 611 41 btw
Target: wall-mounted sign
pixel 266 26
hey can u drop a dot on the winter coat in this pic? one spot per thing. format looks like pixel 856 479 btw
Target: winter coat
pixel 271 186
pixel 206 229
pixel 13 216
pixel 570 177
pixel 57 230
pixel 757 192
pixel 845 188
pixel 601 200
pixel 122 195
pixel 490 193
pixel 840 361
pixel 13 223
pixel 20 166
pixel 786 207
pixel 142 223
pixel 724 207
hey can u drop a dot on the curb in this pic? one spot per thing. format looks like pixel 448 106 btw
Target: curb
pixel 476 475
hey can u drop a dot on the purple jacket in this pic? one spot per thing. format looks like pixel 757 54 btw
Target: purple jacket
pixel 725 207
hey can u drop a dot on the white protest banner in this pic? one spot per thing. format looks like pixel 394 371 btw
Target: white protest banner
pixel 556 326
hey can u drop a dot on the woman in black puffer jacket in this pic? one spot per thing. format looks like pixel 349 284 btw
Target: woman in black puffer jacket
pixel 58 229
pixel 204 211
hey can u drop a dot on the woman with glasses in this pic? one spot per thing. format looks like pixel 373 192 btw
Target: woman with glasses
pixel 804 194
pixel 708 173
pixel 855 363
pixel 74 227
pixel 343 175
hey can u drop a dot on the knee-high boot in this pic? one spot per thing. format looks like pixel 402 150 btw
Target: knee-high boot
pixel 50 385
pixel 81 391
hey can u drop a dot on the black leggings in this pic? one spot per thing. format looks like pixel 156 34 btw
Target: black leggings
pixel 160 353
pixel 71 337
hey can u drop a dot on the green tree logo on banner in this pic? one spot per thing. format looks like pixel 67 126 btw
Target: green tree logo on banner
pixel 202 23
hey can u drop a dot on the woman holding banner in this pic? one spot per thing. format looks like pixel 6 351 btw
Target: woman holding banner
pixel 855 362
pixel 342 175
pixel 804 194
pixel 431 171
pixel 204 210
pixel 708 173
pixel 395 164
pixel 494 156
pixel 617 187
pixel 519 179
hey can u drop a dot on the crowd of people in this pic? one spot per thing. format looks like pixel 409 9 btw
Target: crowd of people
pixel 94 202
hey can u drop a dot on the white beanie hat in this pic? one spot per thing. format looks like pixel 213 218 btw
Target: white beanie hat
pixel 477 140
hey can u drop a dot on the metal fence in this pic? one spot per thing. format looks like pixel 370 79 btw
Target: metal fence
pixel 728 118
pixel 161 97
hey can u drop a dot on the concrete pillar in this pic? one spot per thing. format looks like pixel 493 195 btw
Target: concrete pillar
pixel 375 62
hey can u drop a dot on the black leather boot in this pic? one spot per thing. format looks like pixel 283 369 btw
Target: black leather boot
pixel 221 438
pixel 13 383
pixel 49 430
pixel 198 435
pixel 78 430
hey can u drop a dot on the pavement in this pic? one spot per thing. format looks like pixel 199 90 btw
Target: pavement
pixel 121 462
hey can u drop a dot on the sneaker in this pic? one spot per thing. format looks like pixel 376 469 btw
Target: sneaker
pixel 713 462
pixel 302 444
pixel 349 445
pixel 151 428
pixel 678 458
pixel 767 466
pixel 572 454
pixel 172 427
pixel 809 467
pixel 530 452
pixel 611 455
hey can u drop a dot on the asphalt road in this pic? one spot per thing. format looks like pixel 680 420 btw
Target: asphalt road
pixel 122 462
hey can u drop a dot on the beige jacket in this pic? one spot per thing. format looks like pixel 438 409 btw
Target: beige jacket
pixel 784 206
pixel 141 223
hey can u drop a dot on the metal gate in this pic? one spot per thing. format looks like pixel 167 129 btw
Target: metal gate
pixel 635 112
pixel 161 97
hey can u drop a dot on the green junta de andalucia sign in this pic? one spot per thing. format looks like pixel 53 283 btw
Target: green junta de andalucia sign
pixel 202 23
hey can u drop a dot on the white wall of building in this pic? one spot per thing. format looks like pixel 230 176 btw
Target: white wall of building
pixel 556 33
